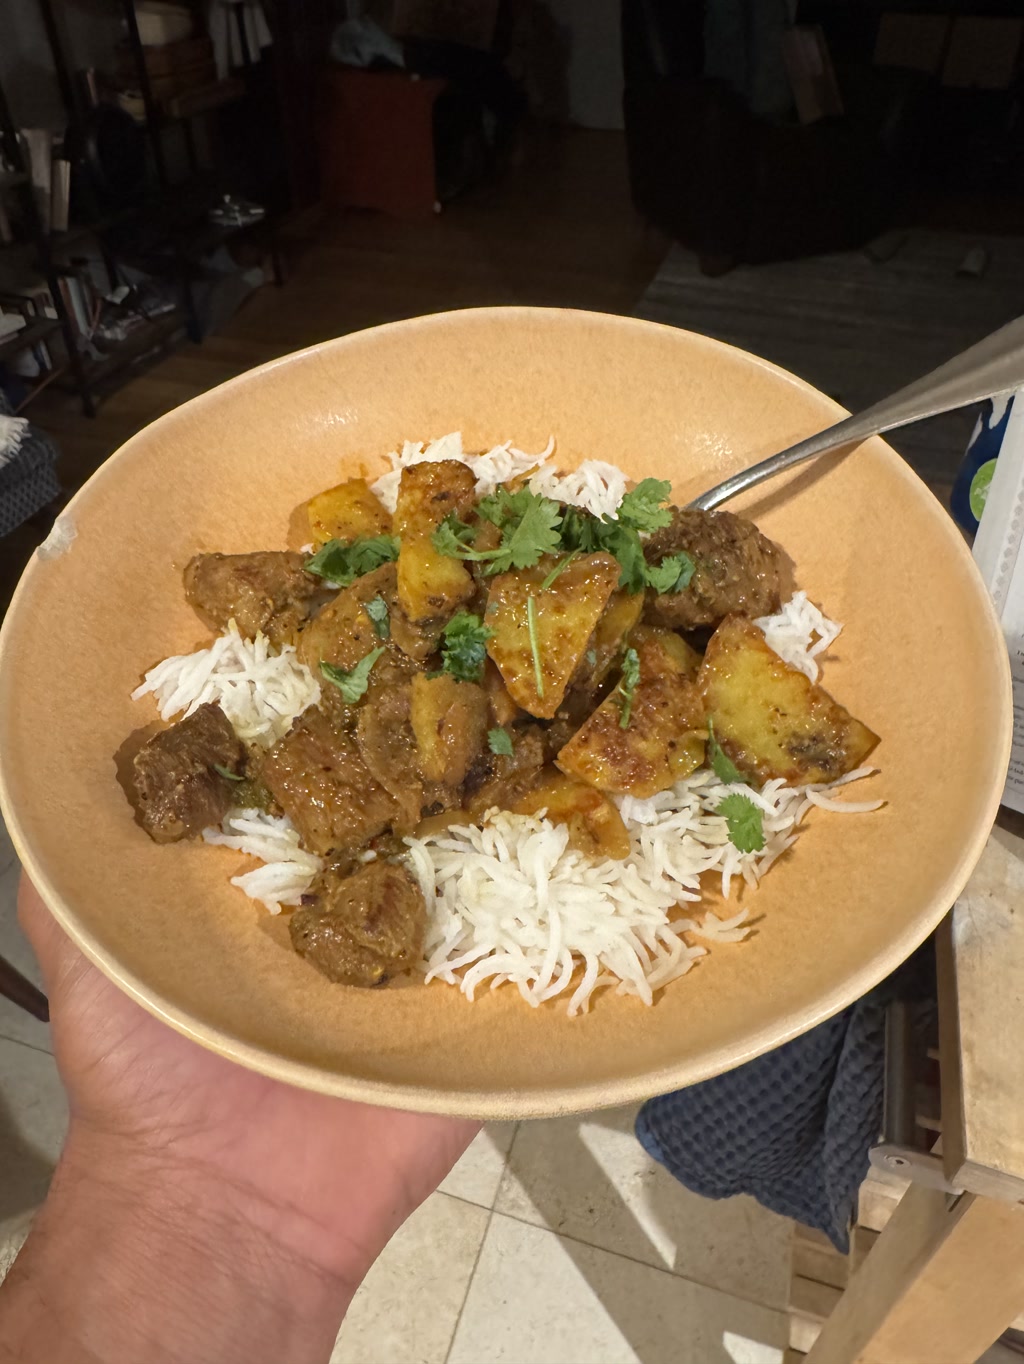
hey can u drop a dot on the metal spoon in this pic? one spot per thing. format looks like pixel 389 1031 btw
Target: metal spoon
pixel 993 366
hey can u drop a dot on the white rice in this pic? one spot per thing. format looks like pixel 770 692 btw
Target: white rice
pixel 594 485
pixel 800 633
pixel 508 900
pixel 287 870
pixel 260 691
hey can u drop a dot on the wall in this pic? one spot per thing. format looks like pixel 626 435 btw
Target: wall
pixel 92 28
pixel 595 60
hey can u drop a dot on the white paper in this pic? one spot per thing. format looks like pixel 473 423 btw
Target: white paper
pixel 997 552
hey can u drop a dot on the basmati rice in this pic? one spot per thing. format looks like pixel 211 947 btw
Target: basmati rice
pixel 287 870
pixel 260 691
pixel 508 900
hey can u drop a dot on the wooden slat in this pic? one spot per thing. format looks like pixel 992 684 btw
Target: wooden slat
pixel 981 985
pixel 808 1298
pixel 941 1284
pixel 822 1264
pixel 862 1240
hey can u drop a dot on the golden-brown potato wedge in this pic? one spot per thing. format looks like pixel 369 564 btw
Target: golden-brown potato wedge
pixel 349 511
pixel 449 720
pixel 431 586
pixel 595 826
pixel 769 718
pixel 664 740
pixel 564 616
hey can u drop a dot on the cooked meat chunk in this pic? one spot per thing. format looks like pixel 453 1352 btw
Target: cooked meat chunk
pixel 362 929
pixel 318 777
pixel 388 746
pixel 178 790
pixel 499 779
pixel 268 591
pixel 738 570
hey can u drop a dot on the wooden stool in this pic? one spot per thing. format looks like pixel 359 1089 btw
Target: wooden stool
pixel 936 1272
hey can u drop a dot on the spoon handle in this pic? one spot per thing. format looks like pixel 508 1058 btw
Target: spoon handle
pixel 992 366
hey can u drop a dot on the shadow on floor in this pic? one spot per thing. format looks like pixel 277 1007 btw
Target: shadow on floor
pixel 26 1173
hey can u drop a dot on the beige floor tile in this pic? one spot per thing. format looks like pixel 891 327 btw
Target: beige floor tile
pixel 537 1298
pixel 15 1023
pixel 591 1179
pixel 407 1307
pixel 33 1120
pixel 477 1175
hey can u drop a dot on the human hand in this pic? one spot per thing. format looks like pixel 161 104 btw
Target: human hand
pixel 318 1184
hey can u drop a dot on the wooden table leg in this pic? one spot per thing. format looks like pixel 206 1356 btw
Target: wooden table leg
pixel 15 987
pixel 943 1281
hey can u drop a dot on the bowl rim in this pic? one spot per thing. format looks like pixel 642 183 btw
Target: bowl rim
pixel 542 1101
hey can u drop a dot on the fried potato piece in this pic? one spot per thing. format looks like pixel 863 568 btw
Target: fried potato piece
pixel 665 737
pixel 430 585
pixel 564 618
pixel 769 718
pixel 595 826
pixel 449 721
pixel 349 511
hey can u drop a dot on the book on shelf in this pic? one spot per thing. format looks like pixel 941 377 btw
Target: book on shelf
pixel 39 149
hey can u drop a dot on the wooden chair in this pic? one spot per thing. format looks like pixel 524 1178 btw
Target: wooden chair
pixel 18 990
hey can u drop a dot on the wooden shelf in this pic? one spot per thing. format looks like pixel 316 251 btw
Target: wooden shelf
pixel 31 335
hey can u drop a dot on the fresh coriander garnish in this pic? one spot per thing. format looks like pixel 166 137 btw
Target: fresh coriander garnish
pixel 226 772
pixel 343 562
pixel 559 568
pixel 528 524
pixel 377 609
pixel 464 649
pixel 745 821
pixel 673 574
pixel 499 741
pixel 531 625
pixel 642 509
pixel 352 684
pixel 724 767
pixel 627 685
pixel 454 539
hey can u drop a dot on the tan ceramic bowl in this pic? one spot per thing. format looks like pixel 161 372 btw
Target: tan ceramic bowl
pixel 921 660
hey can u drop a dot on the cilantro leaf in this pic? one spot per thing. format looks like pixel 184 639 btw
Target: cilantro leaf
pixel 673 574
pixel 454 539
pixel 627 685
pixel 580 531
pixel 499 741
pixel 529 528
pixel 724 767
pixel 352 684
pixel 745 821
pixel 528 524
pixel 343 562
pixel 642 509
pixel 377 610
pixel 624 544
pixel 464 649
pixel 226 772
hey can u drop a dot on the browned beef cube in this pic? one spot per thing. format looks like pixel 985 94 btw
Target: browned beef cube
pixel 268 591
pixel 318 777
pixel 362 929
pixel 178 790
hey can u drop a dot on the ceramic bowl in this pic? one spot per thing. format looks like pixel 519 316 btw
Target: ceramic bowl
pixel 921 660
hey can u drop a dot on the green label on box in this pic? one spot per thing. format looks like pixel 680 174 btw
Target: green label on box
pixel 979 488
